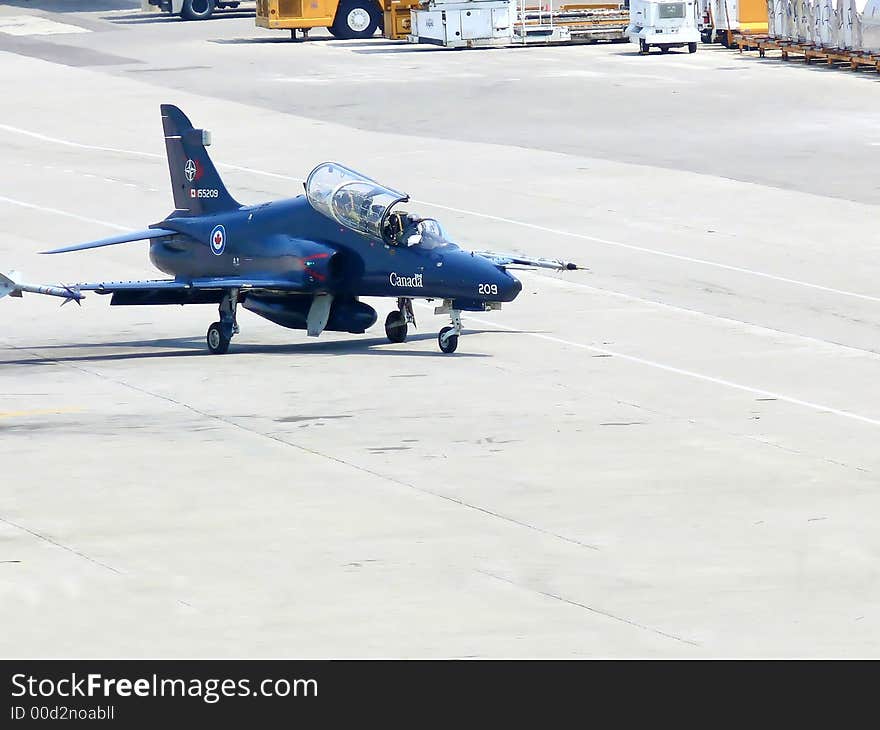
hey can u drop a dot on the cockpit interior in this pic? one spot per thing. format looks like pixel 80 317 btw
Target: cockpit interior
pixel 363 205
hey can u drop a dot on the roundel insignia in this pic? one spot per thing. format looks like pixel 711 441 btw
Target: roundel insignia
pixel 218 240
pixel 190 169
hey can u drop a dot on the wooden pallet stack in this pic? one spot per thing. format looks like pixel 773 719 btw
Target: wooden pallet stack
pixel 807 52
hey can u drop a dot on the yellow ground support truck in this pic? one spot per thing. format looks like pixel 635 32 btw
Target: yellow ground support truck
pixel 344 18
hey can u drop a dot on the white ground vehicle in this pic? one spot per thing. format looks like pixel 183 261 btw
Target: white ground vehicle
pixel 194 9
pixel 663 25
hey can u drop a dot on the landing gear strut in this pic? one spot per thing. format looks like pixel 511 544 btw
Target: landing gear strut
pixel 396 324
pixel 448 337
pixel 220 333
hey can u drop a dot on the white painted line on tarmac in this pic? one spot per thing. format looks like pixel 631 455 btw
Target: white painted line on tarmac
pixel 687 373
pixel 66 214
pixel 499 219
pixel 696 313
pixel 69 143
pixel 656 252
pixel 544 279
pixel 36 25
pixel 558 340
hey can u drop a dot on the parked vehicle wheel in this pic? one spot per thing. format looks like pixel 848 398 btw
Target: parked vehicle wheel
pixel 197 9
pixel 706 35
pixel 692 47
pixel 643 47
pixel 355 19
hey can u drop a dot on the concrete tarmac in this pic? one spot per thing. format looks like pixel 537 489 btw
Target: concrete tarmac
pixel 672 454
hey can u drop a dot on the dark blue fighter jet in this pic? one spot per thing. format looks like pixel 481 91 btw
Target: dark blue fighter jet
pixel 304 262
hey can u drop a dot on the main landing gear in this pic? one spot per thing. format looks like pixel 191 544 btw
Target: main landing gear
pixel 220 333
pixel 397 323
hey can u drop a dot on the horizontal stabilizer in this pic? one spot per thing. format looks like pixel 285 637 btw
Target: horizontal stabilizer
pixel 113 240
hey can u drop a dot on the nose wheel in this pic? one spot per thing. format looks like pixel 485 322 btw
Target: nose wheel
pixel 220 333
pixel 448 337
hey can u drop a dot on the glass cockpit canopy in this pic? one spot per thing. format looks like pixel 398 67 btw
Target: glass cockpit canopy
pixel 351 199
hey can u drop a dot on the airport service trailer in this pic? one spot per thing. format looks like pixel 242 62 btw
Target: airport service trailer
pixel 461 24
pixel 475 23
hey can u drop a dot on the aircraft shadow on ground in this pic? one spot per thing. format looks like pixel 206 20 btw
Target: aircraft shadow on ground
pixel 377 42
pixel 72 6
pixel 408 48
pixel 277 39
pixel 142 18
pixel 195 347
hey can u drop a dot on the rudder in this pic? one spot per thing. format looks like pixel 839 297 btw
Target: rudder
pixel 195 182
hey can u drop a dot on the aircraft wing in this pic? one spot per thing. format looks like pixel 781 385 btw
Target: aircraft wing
pixel 206 283
pixel 506 259
pixel 156 291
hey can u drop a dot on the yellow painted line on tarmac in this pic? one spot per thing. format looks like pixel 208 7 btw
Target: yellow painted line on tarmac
pixel 38 412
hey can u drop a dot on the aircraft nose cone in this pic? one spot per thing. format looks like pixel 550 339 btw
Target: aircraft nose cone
pixel 512 288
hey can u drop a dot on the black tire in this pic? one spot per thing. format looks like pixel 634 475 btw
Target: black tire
pixel 451 343
pixel 218 342
pixel 643 47
pixel 395 327
pixel 197 9
pixel 356 19
pixel 692 47
pixel 706 35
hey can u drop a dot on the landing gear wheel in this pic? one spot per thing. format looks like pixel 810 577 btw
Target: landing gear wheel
pixel 450 344
pixel 197 9
pixel 356 19
pixel 643 47
pixel 395 327
pixel 218 342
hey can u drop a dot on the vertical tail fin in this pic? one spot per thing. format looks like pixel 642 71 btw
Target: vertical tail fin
pixel 197 187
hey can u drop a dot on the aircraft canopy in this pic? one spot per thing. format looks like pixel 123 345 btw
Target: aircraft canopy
pixel 351 199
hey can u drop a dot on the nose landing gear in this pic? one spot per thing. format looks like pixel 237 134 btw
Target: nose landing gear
pixel 220 333
pixel 448 337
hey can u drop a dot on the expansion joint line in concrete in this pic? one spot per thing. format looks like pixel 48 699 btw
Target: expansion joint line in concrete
pixel 591 609
pixel 313 452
